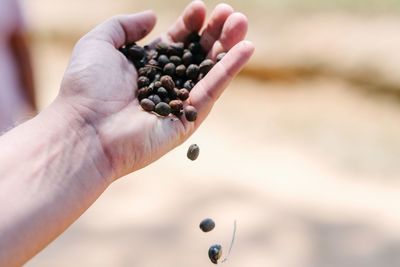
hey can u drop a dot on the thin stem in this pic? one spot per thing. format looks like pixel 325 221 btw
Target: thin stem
pixel 231 245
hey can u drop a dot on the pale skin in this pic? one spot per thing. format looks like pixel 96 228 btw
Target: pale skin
pixel 54 166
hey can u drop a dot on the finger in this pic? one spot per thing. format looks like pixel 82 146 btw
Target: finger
pixel 123 29
pixel 191 20
pixel 208 90
pixel 214 27
pixel 233 31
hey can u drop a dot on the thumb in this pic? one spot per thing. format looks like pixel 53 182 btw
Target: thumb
pixel 123 29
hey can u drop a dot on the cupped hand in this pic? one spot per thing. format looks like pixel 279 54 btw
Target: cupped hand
pixel 100 83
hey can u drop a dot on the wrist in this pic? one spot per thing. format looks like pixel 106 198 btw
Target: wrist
pixel 74 130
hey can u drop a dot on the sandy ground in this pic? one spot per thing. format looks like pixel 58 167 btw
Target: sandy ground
pixel 308 168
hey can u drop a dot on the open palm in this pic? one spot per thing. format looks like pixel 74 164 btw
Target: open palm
pixel 100 83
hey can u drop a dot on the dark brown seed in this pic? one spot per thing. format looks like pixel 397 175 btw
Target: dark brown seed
pixel 147 104
pixel 187 58
pixel 169 69
pixel 167 82
pixel 190 113
pixel 206 66
pixel 183 94
pixel 192 72
pixel 176 49
pixel 162 48
pixel 162 92
pixel 192 154
pixel 180 70
pixel 195 48
pixel 214 253
pixel 176 60
pixel 189 84
pixel 143 81
pixel 163 109
pixel 176 105
pixel 163 60
pixel 208 224
pixel 220 56
pixel 143 93
pixel 155 98
pixel 135 53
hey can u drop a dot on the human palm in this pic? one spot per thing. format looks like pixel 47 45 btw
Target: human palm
pixel 100 83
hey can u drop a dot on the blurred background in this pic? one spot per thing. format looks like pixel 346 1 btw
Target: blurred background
pixel 303 149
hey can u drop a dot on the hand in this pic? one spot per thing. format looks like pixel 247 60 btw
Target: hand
pixel 100 83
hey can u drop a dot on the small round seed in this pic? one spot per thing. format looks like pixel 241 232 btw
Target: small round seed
pixel 163 109
pixel 176 49
pixel 155 99
pixel 214 253
pixel 206 66
pixel 162 92
pixel 143 81
pixel 195 48
pixel 176 60
pixel 169 69
pixel 207 225
pixel 167 82
pixel 162 48
pixel 187 58
pixel 176 105
pixel 147 104
pixel 183 94
pixel 163 60
pixel 192 72
pixel 180 71
pixel 136 53
pixel 190 113
pixel 143 93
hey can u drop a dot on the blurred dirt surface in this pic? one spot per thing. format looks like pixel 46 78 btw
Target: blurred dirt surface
pixel 300 151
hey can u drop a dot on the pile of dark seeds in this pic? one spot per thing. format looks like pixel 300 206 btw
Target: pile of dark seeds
pixel 167 73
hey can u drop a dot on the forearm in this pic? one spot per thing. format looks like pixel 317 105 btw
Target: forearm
pixel 51 170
